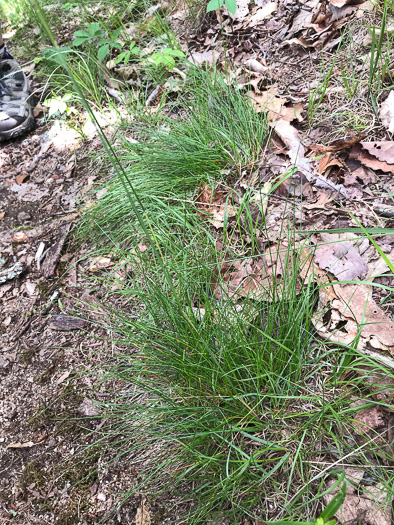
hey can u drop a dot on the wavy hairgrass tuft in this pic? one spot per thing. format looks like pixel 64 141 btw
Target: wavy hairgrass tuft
pixel 230 401
pixel 216 129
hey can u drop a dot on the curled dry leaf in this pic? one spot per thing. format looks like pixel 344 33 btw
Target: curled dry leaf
pixel 382 150
pixel 256 66
pixel 328 162
pixel 358 153
pixel 337 145
pixel 20 178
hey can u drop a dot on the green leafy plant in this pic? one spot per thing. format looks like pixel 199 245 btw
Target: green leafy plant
pixel 217 4
pixel 125 56
pixel 59 105
pixel 95 34
pixel 166 57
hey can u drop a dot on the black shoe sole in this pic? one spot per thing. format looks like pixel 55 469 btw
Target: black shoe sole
pixel 23 128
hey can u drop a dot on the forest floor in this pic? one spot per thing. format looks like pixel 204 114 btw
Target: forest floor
pixel 286 56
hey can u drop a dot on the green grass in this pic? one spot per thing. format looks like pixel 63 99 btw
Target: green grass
pixel 216 129
pixel 232 404
pixel 233 396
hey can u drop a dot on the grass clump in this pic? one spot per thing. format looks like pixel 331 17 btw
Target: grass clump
pixel 227 394
pixel 216 129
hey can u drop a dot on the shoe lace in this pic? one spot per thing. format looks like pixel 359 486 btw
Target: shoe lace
pixel 4 90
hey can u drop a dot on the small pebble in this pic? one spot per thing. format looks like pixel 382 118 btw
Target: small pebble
pixel 23 216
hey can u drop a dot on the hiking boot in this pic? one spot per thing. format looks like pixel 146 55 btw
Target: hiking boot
pixel 16 110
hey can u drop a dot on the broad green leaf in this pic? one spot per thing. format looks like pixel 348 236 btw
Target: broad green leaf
pixel 231 5
pixel 117 45
pixel 94 29
pixel 116 33
pixel 80 41
pixel 103 52
pixel 173 52
pixel 157 58
pixel 214 4
pixel 168 61
pixel 122 56
pixel 135 50
pixel 82 33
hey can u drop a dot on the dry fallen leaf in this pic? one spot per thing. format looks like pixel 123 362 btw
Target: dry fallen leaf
pixel 100 263
pixel 293 112
pixel 66 322
pixel 337 145
pixel 382 150
pixel 387 112
pixel 214 206
pixel 263 13
pixel 341 259
pixel 261 280
pixel 368 419
pixel 323 199
pixel 341 3
pixel 348 311
pixel 357 303
pixel 2 214
pixel 358 153
pixel 63 377
pixel 296 151
pixel 208 57
pixel 268 102
pixel 362 505
pixel 143 515
pixel 28 444
pixel 327 162
pixel 88 408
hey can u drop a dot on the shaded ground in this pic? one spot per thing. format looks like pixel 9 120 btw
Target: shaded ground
pixel 42 349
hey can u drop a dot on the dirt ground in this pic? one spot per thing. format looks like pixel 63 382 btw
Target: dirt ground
pixel 43 179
